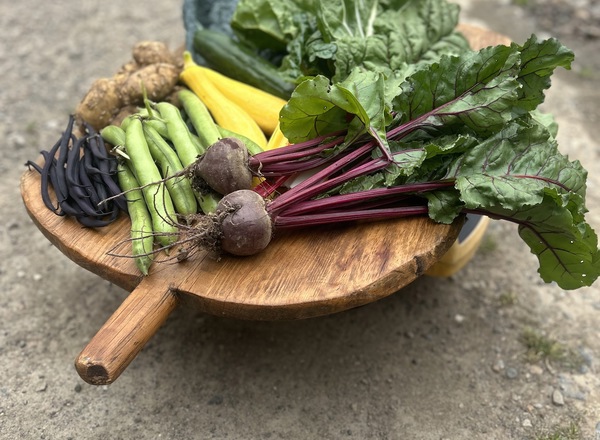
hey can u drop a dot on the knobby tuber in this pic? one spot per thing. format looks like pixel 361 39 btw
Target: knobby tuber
pixel 153 70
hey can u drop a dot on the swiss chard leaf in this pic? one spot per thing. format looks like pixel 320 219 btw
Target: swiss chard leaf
pixel 348 18
pixel 268 24
pixel 318 107
pixel 516 167
pixel 567 249
pixel 519 175
pixel 331 38
pixel 538 61
pixel 383 36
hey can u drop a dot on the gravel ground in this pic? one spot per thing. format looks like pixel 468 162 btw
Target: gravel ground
pixel 442 359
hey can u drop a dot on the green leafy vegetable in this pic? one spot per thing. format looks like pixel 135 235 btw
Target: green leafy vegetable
pixel 268 24
pixel 332 38
pixel 318 107
pixel 468 137
pixel 401 118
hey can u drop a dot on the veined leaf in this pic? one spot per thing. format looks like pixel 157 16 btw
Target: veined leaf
pixel 382 36
pixel 515 168
pixel 567 250
pixel 519 175
pixel 477 89
pixel 348 18
pixel 444 206
pixel 538 61
pixel 318 107
pixel 331 38
pixel 312 111
pixel 268 24
pixel 482 90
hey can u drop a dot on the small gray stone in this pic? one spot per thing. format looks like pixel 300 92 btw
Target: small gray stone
pixel 216 400
pixel 587 357
pixel 512 373
pixel 557 398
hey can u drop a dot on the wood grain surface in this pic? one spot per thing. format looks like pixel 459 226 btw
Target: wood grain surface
pixel 301 274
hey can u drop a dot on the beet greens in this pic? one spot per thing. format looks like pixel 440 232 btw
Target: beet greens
pixel 458 136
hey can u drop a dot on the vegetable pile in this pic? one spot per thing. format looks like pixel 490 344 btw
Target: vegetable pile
pixel 163 164
pixel 425 125
pixel 307 113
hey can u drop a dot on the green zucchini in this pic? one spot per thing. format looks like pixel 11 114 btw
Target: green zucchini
pixel 225 55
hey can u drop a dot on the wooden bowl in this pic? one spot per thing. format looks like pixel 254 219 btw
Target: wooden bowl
pixel 302 274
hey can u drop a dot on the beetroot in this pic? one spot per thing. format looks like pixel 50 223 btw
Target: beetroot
pixel 246 229
pixel 224 167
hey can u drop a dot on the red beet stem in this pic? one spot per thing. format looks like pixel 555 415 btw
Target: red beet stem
pixel 341 201
pixel 296 221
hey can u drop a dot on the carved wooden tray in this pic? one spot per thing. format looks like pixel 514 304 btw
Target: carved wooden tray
pixel 302 274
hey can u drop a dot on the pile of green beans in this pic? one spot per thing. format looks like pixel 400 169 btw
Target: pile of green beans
pixel 84 178
pixel 158 146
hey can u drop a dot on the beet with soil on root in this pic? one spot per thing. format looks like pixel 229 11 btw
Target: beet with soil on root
pixel 247 229
pixel 239 226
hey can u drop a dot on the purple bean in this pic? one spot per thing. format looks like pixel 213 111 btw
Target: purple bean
pixel 83 176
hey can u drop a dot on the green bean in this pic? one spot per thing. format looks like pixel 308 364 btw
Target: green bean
pixel 179 187
pixel 200 118
pixel 113 134
pixel 125 122
pixel 159 126
pixel 208 201
pixel 142 239
pixel 158 200
pixel 187 150
pixel 197 142
pixel 153 120
pixel 179 134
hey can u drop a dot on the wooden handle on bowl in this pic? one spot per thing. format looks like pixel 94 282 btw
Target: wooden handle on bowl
pixel 126 332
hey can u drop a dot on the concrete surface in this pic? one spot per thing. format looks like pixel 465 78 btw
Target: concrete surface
pixel 442 359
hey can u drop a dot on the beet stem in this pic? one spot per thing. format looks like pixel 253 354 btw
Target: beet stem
pixel 267 187
pixel 299 146
pixel 289 160
pixel 288 153
pixel 311 186
pixel 341 201
pixel 282 221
